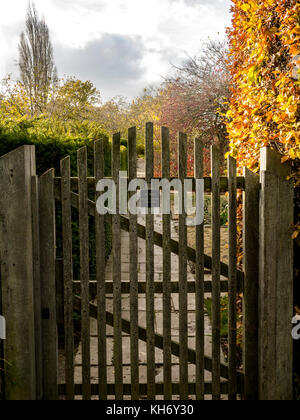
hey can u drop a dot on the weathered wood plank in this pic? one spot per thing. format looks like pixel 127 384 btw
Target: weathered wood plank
pixel 183 314
pixel 199 280
pixel 275 275
pixel 84 272
pixel 117 297
pixel 67 275
pixel 165 138
pixel 285 281
pixel 37 286
pixel 251 269
pixel 216 256
pixel 16 243
pixel 59 280
pixel 232 278
pixel 133 238
pixel 2 364
pixel 100 275
pixel 48 294
pixel 150 268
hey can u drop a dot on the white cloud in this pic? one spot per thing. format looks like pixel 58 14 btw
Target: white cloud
pixel 168 29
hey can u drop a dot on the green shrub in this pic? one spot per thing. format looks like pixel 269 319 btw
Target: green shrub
pixel 140 150
pixel 124 159
pixel 124 143
pixel 224 314
pixel 54 141
pixel 223 210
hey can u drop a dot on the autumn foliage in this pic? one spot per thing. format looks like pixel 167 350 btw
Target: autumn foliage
pixel 264 59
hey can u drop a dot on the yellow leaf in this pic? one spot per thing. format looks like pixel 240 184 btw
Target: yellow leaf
pixel 246 7
pixel 295 235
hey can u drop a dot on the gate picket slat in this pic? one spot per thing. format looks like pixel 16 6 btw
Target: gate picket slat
pixel 150 270
pixel 133 238
pixel 251 284
pixel 37 291
pixel 100 275
pixel 165 137
pixel 67 275
pixel 84 271
pixel 232 278
pixel 183 313
pixel 48 286
pixel 117 298
pixel 216 257
pixel 199 173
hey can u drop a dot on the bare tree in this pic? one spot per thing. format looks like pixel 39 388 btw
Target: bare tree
pixel 197 96
pixel 36 63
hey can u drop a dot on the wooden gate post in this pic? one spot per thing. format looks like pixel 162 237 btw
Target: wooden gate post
pixel 275 279
pixel 17 277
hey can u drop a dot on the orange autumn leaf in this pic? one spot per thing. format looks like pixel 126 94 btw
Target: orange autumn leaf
pixel 294 50
pixel 295 234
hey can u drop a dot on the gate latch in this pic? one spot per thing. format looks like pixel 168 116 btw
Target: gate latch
pixel 2 328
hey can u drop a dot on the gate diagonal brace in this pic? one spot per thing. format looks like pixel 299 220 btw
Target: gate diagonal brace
pixel 159 341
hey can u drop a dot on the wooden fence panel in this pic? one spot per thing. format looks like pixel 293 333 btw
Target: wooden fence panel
pixel 268 266
pixel 84 272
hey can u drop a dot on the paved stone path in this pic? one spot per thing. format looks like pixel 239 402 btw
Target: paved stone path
pixel 142 317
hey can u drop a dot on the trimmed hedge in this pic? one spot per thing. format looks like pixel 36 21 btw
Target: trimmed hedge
pixel 54 141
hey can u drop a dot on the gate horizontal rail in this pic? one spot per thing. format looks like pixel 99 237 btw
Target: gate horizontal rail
pixel 91 182
pixel 158 287
pixel 159 389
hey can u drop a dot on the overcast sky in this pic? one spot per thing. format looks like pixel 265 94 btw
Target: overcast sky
pixel 120 45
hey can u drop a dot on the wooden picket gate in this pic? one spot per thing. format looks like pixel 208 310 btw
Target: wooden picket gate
pixel 227 380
